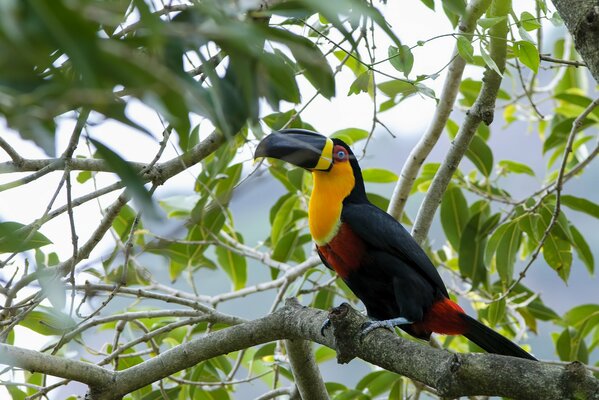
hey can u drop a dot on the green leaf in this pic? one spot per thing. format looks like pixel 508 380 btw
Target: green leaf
pixel 378 175
pixel 401 58
pixel 377 382
pixel 350 135
pixel 361 84
pixel 487 23
pixel 379 201
pixel 285 246
pixel 493 242
pixel 48 321
pixel 282 219
pixel 129 175
pixel 171 394
pixel 234 265
pixel 84 176
pixel 558 254
pixel 398 88
pixel 583 249
pixel 579 314
pixel 15 393
pixel 316 67
pixel 580 204
pixel 454 215
pixel 14 239
pixel 496 312
pixel 529 22
pixel 507 249
pixel 528 54
pixel 52 286
pixel 429 3
pixel 123 222
pixel 516 167
pixel 471 250
pixel 481 155
pixel 465 49
pixel 457 7
pixel 488 60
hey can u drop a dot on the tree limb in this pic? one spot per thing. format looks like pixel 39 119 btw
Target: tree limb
pixel 582 20
pixel 482 111
pixel 35 361
pixel 447 98
pixel 307 375
pixel 452 375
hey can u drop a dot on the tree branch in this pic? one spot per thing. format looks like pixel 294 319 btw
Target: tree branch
pixel 582 18
pixel 449 93
pixel 452 375
pixel 482 111
pixel 305 371
pixel 34 361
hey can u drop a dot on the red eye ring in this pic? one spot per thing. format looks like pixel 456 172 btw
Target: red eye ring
pixel 340 153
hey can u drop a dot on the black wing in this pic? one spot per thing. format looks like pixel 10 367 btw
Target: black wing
pixel 381 231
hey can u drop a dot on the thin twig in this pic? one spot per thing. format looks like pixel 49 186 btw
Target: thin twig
pixel 576 125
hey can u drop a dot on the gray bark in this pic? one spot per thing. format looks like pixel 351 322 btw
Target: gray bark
pixel 582 20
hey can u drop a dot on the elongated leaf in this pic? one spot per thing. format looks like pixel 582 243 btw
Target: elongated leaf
pixel 481 155
pixel 579 314
pixel 558 254
pixel 378 175
pixel 282 218
pixel 472 246
pixel 48 321
pixel 350 135
pixel 496 312
pixel 516 167
pixel 130 177
pixel 53 287
pixel 234 265
pixel 454 215
pixel 486 23
pixel 14 239
pixel 580 204
pixel 507 249
pixel 583 249
pixel 488 60
pixel 285 246
pixel 465 49
pixel 493 243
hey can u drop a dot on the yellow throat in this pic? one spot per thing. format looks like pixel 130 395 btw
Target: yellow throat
pixel 330 189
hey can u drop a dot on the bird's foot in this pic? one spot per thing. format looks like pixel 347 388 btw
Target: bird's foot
pixel 325 325
pixel 390 324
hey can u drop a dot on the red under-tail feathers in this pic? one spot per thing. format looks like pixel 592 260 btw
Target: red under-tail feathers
pixel 448 318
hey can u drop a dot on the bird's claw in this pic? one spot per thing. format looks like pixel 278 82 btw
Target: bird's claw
pixel 325 325
pixel 390 324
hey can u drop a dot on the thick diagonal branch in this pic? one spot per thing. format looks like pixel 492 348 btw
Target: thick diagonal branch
pixel 447 98
pixel 482 111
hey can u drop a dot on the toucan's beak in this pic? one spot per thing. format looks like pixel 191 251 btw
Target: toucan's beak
pixel 299 147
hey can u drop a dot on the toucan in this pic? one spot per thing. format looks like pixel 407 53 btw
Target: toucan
pixel 371 251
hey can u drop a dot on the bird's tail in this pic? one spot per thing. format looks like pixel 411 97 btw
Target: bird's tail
pixel 491 341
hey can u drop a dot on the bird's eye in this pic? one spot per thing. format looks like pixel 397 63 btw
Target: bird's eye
pixel 339 153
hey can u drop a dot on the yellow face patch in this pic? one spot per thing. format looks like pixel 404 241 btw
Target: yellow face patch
pixel 326 156
pixel 330 189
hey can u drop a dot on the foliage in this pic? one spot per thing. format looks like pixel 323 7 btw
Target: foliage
pixel 212 66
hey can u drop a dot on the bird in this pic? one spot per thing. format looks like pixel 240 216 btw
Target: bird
pixel 371 251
